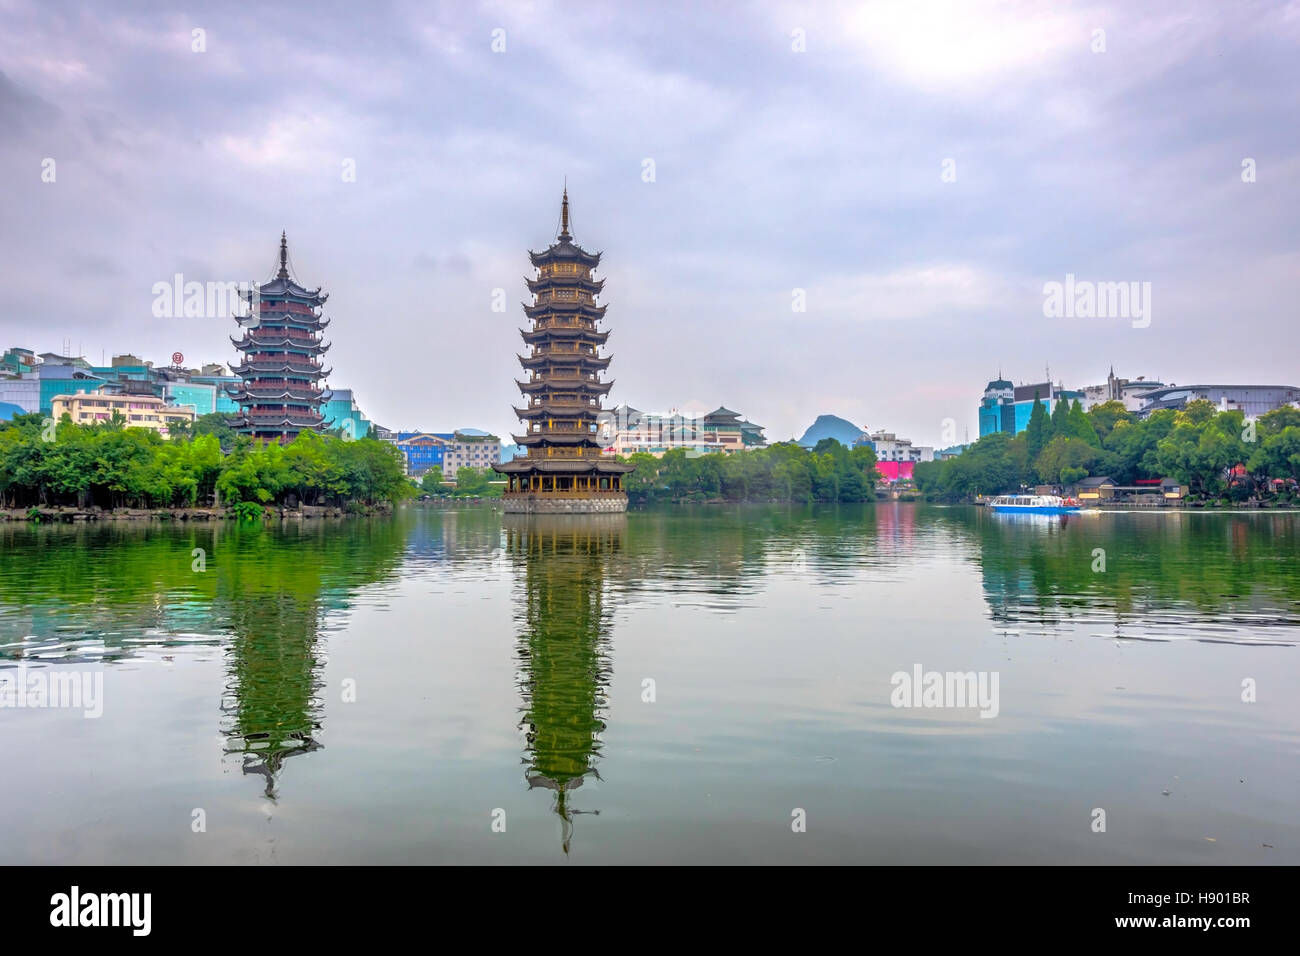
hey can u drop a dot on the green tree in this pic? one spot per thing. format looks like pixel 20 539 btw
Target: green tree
pixel 1036 433
pixel 432 482
pixel 215 424
pixel 1200 449
pixel 1277 421
pixel 1105 416
pixel 471 482
pixel 1080 426
pixel 1278 455
pixel 1063 459
pixel 1060 420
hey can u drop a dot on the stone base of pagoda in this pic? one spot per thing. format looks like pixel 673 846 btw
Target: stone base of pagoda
pixel 559 504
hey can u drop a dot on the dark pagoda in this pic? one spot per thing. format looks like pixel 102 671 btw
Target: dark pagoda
pixel 565 469
pixel 280 394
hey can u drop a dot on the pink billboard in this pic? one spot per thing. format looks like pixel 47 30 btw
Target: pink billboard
pixel 893 471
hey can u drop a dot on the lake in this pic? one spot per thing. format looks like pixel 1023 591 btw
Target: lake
pixel 747 684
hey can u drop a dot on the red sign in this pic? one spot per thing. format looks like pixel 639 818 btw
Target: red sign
pixel 177 358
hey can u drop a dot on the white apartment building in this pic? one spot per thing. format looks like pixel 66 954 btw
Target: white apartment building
pixel 889 447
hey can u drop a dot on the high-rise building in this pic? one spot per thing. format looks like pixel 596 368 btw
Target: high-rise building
pixel 565 469
pixel 1006 407
pixel 280 393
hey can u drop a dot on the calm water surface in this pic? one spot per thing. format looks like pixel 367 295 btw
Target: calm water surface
pixel 662 687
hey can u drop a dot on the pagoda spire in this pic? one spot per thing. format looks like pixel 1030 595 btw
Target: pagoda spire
pixel 284 257
pixel 564 214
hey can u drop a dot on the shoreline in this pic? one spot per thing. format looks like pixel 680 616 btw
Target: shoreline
pixel 71 515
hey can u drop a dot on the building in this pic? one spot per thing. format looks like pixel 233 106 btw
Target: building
pixel 1095 488
pixel 1253 400
pixel 450 451
pixel 223 384
pixel 1130 392
pixel 57 380
pixel 342 412
pixel 896 458
pixel 889 447
pixel 1006 407
pixel 54 358
pixel 994 415
pixel 470 448
pixel 565 468
pixel 625 431
pixel 1144 491
pixel 199 396
pixel 421 450
pixel 280 393
pixel 723 421
pixel 17 361
pixel 24 392
pixel 30 383
pixel 136 411
pixel 895 471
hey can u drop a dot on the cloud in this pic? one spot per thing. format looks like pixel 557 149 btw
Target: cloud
pixel 963 46
pixel 916 293
pixel 775 170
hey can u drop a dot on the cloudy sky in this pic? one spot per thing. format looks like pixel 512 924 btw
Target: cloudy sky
pixel 919 169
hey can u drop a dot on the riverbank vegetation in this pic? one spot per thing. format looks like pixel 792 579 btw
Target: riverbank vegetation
pixel 469 483
pixel 109 466
pixel 784 473
pixel 1214 453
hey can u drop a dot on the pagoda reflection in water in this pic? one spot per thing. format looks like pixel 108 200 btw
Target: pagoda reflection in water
pixel 272 704
pixel 563 648
pixel 275 598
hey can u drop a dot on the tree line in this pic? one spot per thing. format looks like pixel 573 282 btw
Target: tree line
pixel 111 466
pixel 469 483
pixel 1214 453
pixel 786 472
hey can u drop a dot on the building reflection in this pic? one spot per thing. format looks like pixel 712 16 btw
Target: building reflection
pixel 563 647
pixel 275 598
pixel 272 705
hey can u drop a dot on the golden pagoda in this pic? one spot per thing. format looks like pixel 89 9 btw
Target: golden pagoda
pixel 565 469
